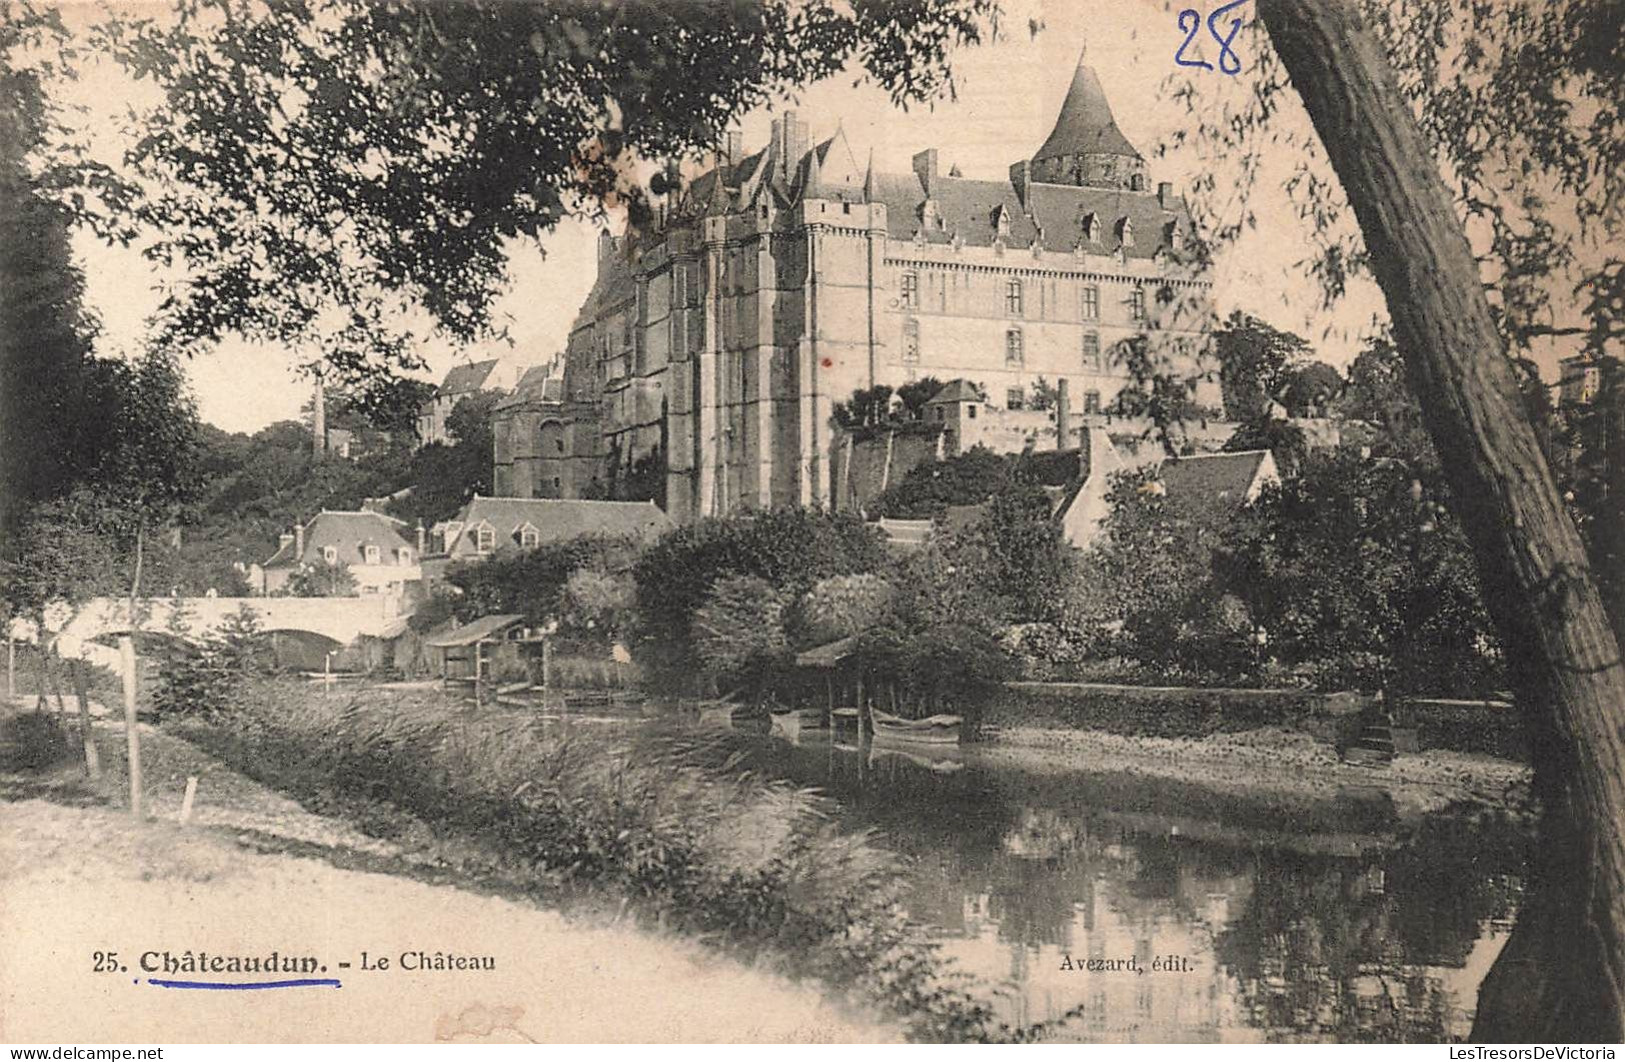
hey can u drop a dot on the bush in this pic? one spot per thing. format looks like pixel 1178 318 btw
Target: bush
pixel 32 741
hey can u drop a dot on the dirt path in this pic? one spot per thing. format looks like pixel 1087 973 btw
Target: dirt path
pixel 78 880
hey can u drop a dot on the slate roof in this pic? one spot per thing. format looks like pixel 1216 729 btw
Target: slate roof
pixel 465 378
pixel 540 383
pixel 1085 124
pixel 476 631
pixel 959 390
pixel 1214 479
pixel 556 520
pixel 350 533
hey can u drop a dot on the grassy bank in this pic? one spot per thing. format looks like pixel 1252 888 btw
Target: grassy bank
pixel 754 866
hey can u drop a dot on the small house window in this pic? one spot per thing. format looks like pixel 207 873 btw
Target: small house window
pixel 1012 298
pixel 1091 302
pixel 1014 353
pixel 403 556
pixel 911 342
pixel 1091 401
pixel 485 539
pixel 1091 351
pixel 529 537
pixel 970 411
pixel 1136 304
pixel 911 290
pixel 1015 398
pixel 372 554
pixel 330 554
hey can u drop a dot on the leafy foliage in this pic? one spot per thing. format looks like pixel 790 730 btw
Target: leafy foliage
pixel 321 580
pixel 739 630
pixel 440 134
pixel 1257 362
pixel 790 549
pixel 929 489
pixel 573 581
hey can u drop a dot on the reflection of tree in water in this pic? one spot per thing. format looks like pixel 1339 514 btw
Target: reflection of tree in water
pixel 1340 950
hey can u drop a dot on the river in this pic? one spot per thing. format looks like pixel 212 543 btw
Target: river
pixel 1166 912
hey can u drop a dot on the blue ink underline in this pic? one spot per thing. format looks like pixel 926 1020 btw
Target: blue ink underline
pixel 243 986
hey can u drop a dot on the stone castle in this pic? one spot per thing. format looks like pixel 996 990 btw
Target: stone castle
pixel 717 339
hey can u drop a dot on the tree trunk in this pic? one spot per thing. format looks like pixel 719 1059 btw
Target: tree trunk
pixel 1562 973
pixel 132 737
pixel 87 739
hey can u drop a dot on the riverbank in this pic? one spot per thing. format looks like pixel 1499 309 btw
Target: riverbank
pixel 1270 759
pixel 78 881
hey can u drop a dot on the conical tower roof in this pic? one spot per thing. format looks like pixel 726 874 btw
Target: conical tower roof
pixel 1085 125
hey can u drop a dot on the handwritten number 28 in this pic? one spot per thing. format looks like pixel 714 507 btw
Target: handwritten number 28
pixel 1190 22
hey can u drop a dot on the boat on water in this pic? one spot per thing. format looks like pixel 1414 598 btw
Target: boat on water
pixel 933 730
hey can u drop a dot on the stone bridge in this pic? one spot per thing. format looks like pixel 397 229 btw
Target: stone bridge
pixel 340 620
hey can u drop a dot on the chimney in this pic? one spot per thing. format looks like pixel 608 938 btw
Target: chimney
pixel 1165 194
pixel 423 540
pixel 1020 177
pixel 925 165
pixel 298 542
pixel 1063 415
pixel 318 420
pixel 792 140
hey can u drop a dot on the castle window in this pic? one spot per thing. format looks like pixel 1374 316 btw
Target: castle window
pixel 1091 401
pixel 1091 352
pixel 1012 297
pixel 911 290
pixel 1014 353
pixel 1015 398
pixel 911 342
pixel 330 554
pixel 372 554
pixel 970 411
pixel 1136 304
pixel 1091 302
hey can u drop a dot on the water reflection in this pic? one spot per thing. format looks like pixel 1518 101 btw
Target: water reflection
pixel 1170 912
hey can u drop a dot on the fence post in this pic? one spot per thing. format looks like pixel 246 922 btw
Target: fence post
pixel 132 740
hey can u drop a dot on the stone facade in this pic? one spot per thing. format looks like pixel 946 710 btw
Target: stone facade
pixel 717 340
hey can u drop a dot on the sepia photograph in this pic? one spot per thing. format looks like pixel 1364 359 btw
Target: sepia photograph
pixel 812 521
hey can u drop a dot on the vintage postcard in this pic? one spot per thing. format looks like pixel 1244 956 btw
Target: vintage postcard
pixel 780 522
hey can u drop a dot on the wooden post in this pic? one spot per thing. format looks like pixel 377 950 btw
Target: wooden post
pixel 186 801
pixel 547 658
pixel 132 740
pixel 93 759
pixel 11 668
pixel 479 670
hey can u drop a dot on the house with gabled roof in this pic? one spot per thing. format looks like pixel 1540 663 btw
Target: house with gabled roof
pixel 489 526
pixel 462 381
pixel 375 548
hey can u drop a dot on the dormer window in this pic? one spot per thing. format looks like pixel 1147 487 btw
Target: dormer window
pixel 529 537
pixel 330 554
pixel 1125 229
pixel 372 554
pixel 485 538
pixel 928 214
pixel 1091 227
pixel 1001 220
pixel 1176 238
pixel 403 557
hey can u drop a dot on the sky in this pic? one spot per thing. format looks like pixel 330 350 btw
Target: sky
pixel 1008 93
